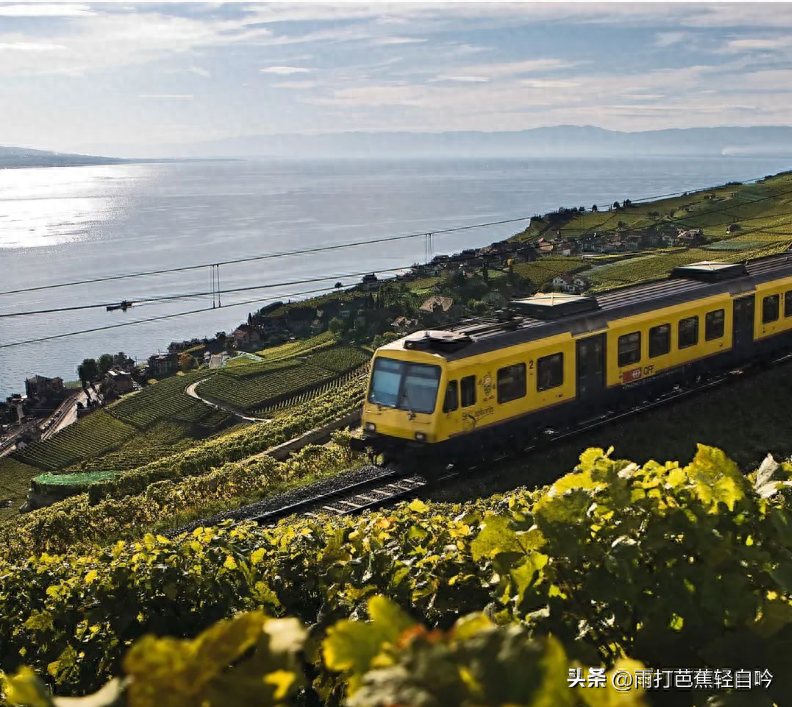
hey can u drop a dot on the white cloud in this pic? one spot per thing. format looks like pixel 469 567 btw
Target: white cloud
pixel 45 10
pixel 198 71
pixel 295 85
pixel 547 83
pixel 462 79
pixel 169 96
pixel 515 68
pixel 29 47
pixel 759 44
pixel 108 40
pixel 668 39
pixel 284 70
pixel 388 41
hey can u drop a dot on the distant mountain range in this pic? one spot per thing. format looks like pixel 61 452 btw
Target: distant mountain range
pixel 569 141
pixel 23 157
pixel 558 141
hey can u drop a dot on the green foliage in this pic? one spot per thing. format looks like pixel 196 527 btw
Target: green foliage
pixel 389 660
pixel 77 522
pixel 669 565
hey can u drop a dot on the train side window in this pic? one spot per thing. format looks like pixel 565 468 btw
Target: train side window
pixel 550 372
pixel 659 340
pixel 511 383
pixel 770 307
pixel 714 324
pixel 451 401
pixel 629 348
pixel 467 388
pixel 788 304
pixel 688 332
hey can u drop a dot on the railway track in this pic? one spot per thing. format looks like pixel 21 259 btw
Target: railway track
pixel 388 488
pixel 392 485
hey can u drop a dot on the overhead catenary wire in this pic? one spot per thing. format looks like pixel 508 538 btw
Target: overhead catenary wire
pixel 156 319
pixel 267 256
pixel 216 292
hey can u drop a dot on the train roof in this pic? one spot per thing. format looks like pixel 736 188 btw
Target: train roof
pixel 542 316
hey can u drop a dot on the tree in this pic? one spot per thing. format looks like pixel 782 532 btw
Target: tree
pixel 616 205
pixel 338 285
pixel 105 363
pixel 88 371
pixel 594 208
pixel 627 203
pixel 336 325
pixel 186 362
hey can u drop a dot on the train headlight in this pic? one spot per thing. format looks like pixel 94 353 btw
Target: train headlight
pixel 420 436
pixel 371 427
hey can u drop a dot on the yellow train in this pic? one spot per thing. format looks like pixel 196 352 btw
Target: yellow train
pixel 555 358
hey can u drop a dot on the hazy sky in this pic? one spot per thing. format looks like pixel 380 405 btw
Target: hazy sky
pixel 81 76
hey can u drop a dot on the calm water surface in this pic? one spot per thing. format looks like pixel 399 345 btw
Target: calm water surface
pixel 66 224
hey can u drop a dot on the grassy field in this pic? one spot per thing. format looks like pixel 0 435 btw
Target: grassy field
pixel 15 479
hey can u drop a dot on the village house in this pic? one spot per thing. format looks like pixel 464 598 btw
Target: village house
pixel 690 237
pixel 161 365
pixel 575 284
pixel 246 335
pixel 43 389
pixel 404 325
pixel 118 381
pixel 369 282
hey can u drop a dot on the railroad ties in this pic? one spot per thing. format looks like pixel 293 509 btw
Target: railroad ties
pixel 372 498
pixel 387 488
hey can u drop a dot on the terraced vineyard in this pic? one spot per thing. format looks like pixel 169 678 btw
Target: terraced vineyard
pixel 545 269
pixel 259 386
pixel 287 405
pixel 298 348
pixel 162 439
pixel 164 400
pixel 252 391
pixel 340 359
pixel 93 435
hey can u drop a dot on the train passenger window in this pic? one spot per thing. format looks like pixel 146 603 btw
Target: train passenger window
pixel 688 332
pixel 451 401
pixel 467 387
pixel 629 348
pixel 770 307
pixel 659 340
pixel 550 372
pixel 511 383
pixel 788 304
pixel 714 324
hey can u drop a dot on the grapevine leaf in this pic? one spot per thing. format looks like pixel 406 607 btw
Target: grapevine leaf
pixel 716 478
pixel 25 688
pixel 495 537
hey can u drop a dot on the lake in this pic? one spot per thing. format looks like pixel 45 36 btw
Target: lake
pixel 75 223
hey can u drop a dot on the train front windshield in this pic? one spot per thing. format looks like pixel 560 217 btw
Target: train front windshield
pixel 405 386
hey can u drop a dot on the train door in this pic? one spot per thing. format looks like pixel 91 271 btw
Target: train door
pixel 590 364
pixel 743 325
